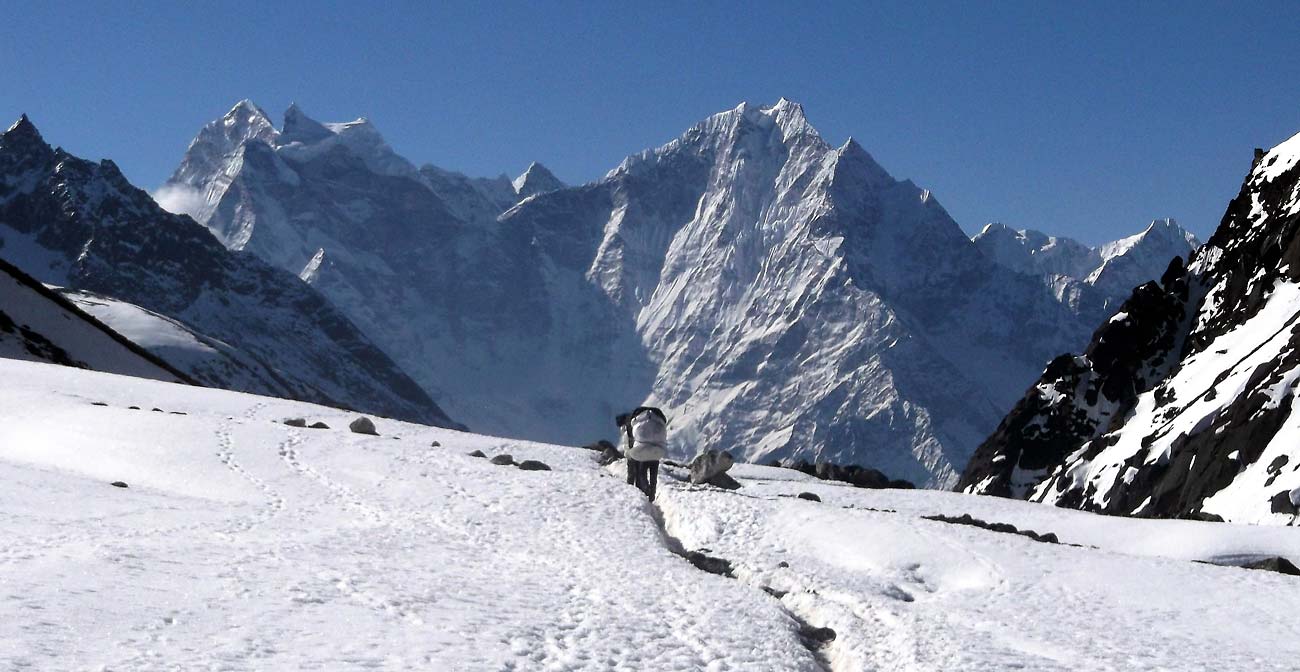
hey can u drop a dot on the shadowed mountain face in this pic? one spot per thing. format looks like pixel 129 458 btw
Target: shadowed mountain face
pixel 81 225
pixel 1181 404
pixel 36 324
pixel 781 297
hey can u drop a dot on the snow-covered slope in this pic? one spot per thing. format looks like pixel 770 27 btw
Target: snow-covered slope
pixel 36 324
pixel 203 358
pixel 242 543
pixel 782 297
pixel 81 225
pixel 1098 278
pixel 1181 405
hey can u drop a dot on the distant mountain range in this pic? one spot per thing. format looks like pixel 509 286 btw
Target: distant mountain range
pixel 782 298
pixel 1094 279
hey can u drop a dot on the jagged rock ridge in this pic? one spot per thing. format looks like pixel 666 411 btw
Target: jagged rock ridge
pixel 82 226
pixel 1181 404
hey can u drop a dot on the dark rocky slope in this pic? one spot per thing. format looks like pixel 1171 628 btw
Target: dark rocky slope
pixel 1181 404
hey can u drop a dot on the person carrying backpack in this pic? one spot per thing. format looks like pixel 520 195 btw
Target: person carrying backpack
pixel 646 432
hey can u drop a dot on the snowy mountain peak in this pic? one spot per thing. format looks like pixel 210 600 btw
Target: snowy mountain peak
pixel 298 127
pixel 23 138
pixel 305 139
pixel 864 165
pixel 1162 238
pixel 536 179
pixel 23 129
pixel 790 118
pixel 246 120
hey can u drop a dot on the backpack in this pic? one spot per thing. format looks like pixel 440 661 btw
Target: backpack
pixel 647 434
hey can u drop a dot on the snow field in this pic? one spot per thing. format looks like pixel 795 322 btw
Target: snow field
pixel 245 544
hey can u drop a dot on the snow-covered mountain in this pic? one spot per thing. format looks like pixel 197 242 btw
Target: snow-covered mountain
pixel 81 225
pixel 1181 404
pixel 243 543
pixel 1099 278
pixel 36 324
pixel 780 296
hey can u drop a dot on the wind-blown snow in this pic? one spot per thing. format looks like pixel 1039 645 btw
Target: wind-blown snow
pixel 243 543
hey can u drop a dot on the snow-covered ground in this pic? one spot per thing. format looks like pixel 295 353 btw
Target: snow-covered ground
pixel 246 544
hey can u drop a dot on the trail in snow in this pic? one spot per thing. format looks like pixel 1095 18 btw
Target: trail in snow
pixel 903 593
pixel 245 544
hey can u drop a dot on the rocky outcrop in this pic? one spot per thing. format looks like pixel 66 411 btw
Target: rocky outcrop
pixel 710 467
pixel 1181 404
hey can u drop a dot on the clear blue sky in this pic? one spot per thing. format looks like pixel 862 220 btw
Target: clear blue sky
pixel 1084 120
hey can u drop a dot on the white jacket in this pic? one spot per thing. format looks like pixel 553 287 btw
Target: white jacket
pixel 649 438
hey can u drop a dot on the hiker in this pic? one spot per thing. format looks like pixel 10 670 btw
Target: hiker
pixel 646 432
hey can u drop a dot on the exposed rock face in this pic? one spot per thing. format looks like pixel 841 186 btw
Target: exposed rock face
pixel 1181 405
pixel 776 295
pixel 79 224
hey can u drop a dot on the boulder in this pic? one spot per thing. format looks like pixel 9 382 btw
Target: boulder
pixel 608 456
pixel 1276 564
pixel 828 471
pixel 1281 503
pixel 710 463
pixel 817 635
pixel 503 459
pixel 477 453
pixel 599 446
pixel 318 425
pixel 98 403
pixel 296 422
pixel 363 425
pixel 119 484
pixel 862 477
pixel 435 444
pixel 809 496
pixel 533 465
pixel 724 481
